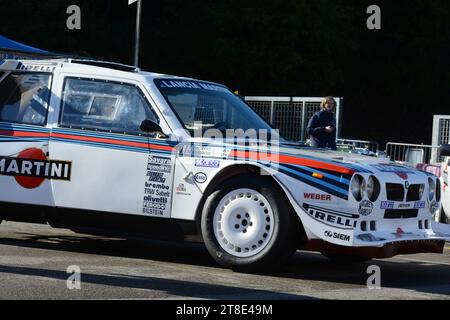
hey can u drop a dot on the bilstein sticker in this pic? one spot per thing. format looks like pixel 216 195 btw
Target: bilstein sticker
pixel 32 167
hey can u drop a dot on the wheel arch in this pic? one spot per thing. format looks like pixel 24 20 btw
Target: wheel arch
pixel 243 169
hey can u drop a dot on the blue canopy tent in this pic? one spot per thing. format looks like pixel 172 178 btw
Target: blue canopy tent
pixel 10 49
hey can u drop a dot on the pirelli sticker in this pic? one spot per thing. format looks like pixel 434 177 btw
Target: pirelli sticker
pixel 32 167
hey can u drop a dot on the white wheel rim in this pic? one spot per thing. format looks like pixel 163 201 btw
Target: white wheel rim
pixel 244 223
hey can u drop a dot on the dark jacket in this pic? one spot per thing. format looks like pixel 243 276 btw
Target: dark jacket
pixel 316 130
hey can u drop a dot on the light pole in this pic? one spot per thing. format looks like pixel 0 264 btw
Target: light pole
pixel 138 31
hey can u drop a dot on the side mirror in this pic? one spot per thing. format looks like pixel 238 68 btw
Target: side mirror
pixel 150 127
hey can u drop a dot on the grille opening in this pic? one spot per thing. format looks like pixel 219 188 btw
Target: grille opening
pixel 401 214
pixel 414 192
pixel 438 190
pixel 427 226
pixel 420 224
pixel 373 226
pixel 363 225
pixel 395 192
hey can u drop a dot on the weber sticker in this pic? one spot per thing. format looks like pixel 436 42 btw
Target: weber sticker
pixel 158 187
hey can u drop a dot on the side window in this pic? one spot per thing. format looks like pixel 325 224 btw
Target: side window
pixel 24 98
pixel 104 106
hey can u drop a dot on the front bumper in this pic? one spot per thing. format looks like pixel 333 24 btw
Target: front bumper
pixel 387 245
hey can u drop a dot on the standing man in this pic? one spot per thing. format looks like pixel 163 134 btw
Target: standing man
pixel 322 126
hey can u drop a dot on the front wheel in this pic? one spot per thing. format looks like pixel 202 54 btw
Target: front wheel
pixel 248 226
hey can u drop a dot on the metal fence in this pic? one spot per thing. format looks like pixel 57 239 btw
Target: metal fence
pixel 291 114
pixel 364 147
pixel 441 133
pixel 412 154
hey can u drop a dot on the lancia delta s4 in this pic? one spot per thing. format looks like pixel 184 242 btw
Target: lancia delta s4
pixel 107 149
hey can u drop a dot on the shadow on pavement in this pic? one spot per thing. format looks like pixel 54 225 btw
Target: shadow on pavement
pixel 414 275
pixel 169 286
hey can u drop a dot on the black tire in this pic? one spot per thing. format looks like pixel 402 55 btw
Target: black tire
pixel 345 259
pixel 281 245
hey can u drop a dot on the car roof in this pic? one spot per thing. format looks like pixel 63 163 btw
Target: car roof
pixel 89 67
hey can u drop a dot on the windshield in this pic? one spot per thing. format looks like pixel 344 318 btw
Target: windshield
pixel 201 106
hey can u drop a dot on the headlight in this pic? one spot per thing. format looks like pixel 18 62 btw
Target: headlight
pixel 431 189
pixel 373 188
pixel 434 207
pixel 358 187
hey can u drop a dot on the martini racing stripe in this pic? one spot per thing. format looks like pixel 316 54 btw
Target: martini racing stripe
pixel 110 142
pixel 20 127
pixel 114 136
pixel 339 180
pixel 324 186
pixel 24 134
pixel 291 159
pixel 112 146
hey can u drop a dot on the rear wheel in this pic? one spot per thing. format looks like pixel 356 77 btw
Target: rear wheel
pixel 248 226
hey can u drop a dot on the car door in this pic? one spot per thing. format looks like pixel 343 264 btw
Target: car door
pixel 26 170
pixel 114 168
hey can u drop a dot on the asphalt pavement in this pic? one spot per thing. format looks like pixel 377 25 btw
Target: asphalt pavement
pixel 34 262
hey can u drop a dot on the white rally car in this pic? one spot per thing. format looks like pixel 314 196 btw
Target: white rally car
pixel 106 149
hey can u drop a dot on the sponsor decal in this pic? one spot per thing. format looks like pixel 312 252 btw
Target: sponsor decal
pixel 205 163
pixel 195 85
pixel 419 205
pixel 32 167
pixel 387 205
pixel 316 196
pixel 341 220
pixel 338 236
pixel 198 151
pixel 399 233
pixel 200 177
pixel 365 208
pixel 158 191
pixel 159 164
pixel 156 177
pixel 181 190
